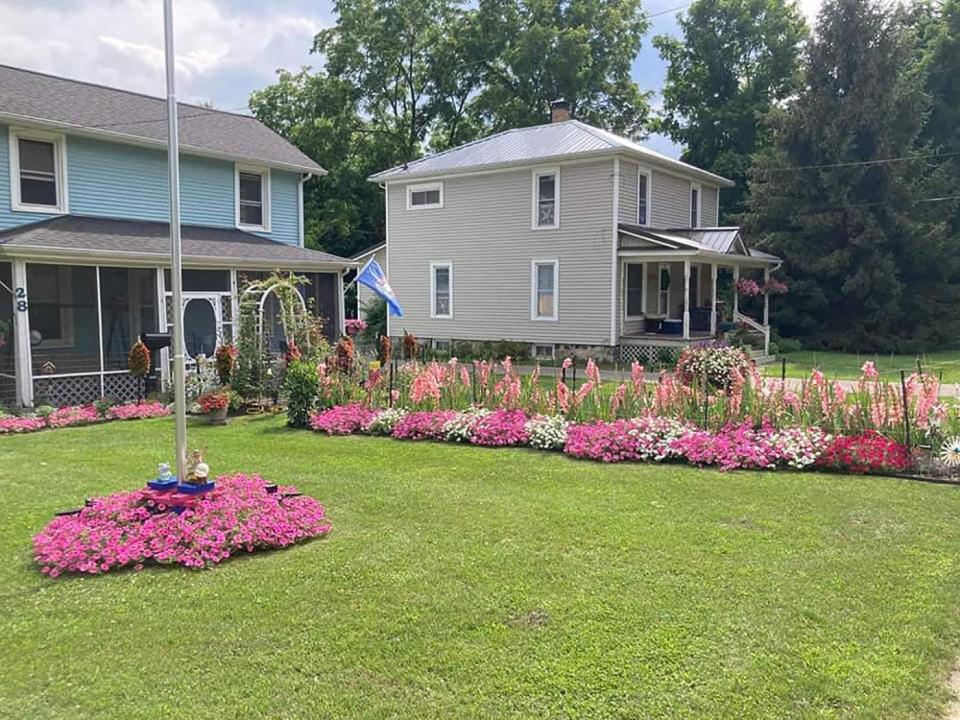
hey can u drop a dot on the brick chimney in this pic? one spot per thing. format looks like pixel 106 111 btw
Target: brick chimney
pixel 559 111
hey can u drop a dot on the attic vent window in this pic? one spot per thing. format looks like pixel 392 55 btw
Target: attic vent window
pixel 37 165
pixel 423 197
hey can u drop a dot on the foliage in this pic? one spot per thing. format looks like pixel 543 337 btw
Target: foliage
pixel 300 388
pixel 213 401
pixel 133 528
pixel 225 360
pixel 139 360
pixel 871 262
pixel 866 453
pixel 376 314
pixel 736 60
pixel 718 363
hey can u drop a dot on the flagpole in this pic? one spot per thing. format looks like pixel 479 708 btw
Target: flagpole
pixel 173 165
pixel 359 273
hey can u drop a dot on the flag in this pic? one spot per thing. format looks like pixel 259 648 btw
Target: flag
pixel 373 277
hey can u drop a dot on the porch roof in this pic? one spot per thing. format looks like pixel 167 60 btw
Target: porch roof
pixel 724 243
pixel 73 238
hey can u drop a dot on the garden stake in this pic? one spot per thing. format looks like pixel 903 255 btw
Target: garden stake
pixel 783 370
pixel 919 366
pixel 906 409
pixel 706 402
pixel 390 396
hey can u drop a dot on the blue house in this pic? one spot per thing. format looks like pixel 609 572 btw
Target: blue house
pixel 84 242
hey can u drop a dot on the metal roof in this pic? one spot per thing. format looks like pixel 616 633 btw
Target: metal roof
pixel 530 145
pixel 710 241
pixel 74 235
pixel 368 251
pixel 26 96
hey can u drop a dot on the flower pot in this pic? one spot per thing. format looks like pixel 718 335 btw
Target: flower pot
pixel 218 416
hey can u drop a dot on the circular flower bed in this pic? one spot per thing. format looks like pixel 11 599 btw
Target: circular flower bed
pixel 132 528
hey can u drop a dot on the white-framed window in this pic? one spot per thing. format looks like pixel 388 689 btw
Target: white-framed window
pixel 51 304
pixel 425 197
pixel 635 287
pixel 441 346
pixel 544 298
pixel 38 171
pixel 253 198
pixel 663 290
pixel 544 351
pixel 644 185
pixel 695 194
pixel 546 198
pixel 441 290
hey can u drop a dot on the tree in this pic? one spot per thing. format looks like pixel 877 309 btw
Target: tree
pixel 319 114
pixel 865 241
pixel 537 51
pixel 736 59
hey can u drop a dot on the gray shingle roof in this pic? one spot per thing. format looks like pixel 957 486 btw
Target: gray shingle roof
pixel 70 235
pixel 95 108
pixel 540 143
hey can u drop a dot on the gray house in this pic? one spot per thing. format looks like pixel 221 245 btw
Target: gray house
pixel 564 236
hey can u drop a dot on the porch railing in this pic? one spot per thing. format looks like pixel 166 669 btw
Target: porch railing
pixel 760 328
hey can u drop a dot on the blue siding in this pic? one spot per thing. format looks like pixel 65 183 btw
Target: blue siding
pixel 124 181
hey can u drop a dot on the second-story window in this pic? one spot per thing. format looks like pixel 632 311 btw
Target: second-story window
pixel 643 197
pixel 253 198
pixel 38 165
pixel 425 197
pixel 546 198
pixel 694 205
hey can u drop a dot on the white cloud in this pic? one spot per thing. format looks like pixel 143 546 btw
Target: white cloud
pixel 223 52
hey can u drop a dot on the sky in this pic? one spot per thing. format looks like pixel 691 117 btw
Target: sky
pixel 225 48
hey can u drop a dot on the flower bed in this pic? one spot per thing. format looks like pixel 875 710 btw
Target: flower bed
pixel 130 529
pixel 80 415
pixel 735 446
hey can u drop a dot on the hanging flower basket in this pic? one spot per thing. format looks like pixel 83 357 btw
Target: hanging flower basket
pixel 748 288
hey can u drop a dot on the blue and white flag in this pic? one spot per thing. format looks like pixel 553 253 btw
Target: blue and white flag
pixel 373 277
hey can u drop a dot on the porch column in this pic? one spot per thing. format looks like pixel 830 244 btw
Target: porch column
pixel 686 299
pixel 736 294
pixel 766 312
pixel 23 367
pixel 643 290
pixel 713 299
pixel 162 327
pixel 235 305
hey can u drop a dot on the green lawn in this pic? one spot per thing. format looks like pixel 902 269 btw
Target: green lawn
pixel 841 366
pixel 462 582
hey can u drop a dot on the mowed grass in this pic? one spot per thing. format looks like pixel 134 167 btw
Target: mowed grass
pixel 461 582
pixel 846 366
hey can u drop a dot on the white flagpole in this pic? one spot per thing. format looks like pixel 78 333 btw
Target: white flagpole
pixel 173 165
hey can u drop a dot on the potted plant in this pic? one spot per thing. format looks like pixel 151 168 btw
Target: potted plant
pixel 215 404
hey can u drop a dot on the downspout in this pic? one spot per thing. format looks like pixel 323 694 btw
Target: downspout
pixel 303 178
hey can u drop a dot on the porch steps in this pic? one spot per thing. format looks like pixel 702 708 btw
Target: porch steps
pixel 759 357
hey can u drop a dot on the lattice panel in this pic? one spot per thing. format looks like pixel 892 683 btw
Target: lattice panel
pixel 59 391
pixel 649 355
pixel 168 309
pixel 121 387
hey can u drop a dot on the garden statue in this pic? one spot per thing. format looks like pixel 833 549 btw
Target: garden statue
pixel 194 464
pixel 163 473
pixel 201 472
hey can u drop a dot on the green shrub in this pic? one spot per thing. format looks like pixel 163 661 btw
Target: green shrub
pixel 300 390
pixel 376 317
pixel 44 411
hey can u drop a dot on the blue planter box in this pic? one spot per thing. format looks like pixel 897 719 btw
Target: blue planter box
pixel 195 489
pixel 162 485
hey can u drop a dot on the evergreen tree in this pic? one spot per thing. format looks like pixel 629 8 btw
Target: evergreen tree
pixel 736 58
pixel 863 237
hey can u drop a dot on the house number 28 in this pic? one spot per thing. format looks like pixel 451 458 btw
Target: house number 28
pixel 21 295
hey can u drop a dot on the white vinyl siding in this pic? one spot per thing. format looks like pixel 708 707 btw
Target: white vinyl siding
pixel 441 290
pixel 426 196
pixel 485 231
pixel 543 291
pixel 709 197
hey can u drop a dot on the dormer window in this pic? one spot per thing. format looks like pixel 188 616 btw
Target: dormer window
pixel 253 198
pixel 546 198
pixel 38 172
pixel 425 197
